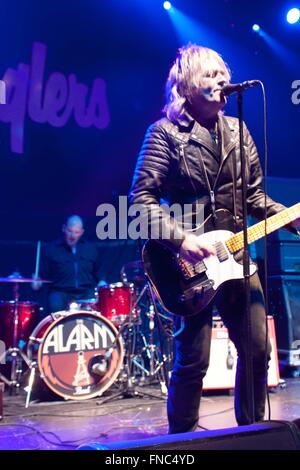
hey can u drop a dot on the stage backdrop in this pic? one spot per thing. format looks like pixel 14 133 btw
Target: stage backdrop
pixel 85 79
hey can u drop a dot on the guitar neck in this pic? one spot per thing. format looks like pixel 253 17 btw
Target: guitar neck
pixel 259 230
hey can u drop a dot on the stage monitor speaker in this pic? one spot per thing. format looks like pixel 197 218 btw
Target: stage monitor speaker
pixel 284 305
pixel 268 435
pixel 284 257
pixel 223 359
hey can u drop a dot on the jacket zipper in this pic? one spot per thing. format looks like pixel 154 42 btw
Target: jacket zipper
pixel 181 152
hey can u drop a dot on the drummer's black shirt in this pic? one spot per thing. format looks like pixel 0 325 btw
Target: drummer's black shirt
pixel 70 271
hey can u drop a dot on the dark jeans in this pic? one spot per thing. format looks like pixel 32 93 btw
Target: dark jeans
pixel 58 300
pixel 192 356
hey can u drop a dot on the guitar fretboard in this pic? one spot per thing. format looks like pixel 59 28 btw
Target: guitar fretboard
pixel 257 231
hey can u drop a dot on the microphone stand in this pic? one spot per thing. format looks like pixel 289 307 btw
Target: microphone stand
pixel 246 269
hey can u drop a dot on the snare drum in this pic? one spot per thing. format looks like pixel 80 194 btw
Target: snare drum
pixel 80 355
pixel 27 314
pixel 117 302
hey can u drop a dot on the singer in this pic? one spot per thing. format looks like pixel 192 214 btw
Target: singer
pixel 192 156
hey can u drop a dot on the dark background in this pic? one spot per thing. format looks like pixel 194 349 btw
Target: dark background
pixel 131 46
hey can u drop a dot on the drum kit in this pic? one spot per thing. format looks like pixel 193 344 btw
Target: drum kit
pixel 79 353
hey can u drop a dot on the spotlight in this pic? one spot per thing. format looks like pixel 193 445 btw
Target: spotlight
pixel 293 15
pixel 256 28
pixel 167 5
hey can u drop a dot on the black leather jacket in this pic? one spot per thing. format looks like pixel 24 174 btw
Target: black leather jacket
pixel 169 168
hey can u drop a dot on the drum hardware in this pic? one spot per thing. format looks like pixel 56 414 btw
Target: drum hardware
pixel 127 388
pixel 126 383
pixel 158 362
pixel 130 329
pixel 28 389
pixel 18 325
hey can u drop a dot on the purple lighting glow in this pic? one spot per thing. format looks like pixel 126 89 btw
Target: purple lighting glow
pixel 51 101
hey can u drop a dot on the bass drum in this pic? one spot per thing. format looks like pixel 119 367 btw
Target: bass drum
pixel 37 334
pixel 80 355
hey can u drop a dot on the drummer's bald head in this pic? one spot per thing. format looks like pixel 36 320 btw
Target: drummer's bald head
pixel 73 230
pixel 74 220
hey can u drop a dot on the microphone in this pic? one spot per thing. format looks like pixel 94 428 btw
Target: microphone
pixel 99 364
pixel 236 87
pixel 100 367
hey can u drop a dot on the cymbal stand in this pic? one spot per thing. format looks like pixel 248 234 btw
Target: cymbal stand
pixel 127 386
pixel 17 355
pixel 157 360
pixel 28 388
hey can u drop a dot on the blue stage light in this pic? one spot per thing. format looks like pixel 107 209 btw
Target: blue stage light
pixel 256 27
pixel 293 15
pixel 167 5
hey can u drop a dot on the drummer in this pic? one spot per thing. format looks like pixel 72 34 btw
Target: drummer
pixel 73 266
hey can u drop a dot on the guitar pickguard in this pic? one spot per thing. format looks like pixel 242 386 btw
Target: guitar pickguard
pixel 221 271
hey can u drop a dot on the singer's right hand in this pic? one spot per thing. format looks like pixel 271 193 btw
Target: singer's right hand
pixel 193 251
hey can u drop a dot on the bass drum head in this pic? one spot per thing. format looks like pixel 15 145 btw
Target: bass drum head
pixel 37 334
pixel 80 355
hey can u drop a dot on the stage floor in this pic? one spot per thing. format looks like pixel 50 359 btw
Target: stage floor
pixel 66 425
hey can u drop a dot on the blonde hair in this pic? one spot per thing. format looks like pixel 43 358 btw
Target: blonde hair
pixel 186 74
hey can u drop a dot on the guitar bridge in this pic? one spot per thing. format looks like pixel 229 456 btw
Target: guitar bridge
pixel 190 270
pixel 190 294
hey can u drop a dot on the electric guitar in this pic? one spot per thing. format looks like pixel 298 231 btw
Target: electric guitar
pixel 184 288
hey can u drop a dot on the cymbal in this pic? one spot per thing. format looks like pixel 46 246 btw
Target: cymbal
pixel 16 277
pixel 137 264
pixel 134 271
pixel 137 278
